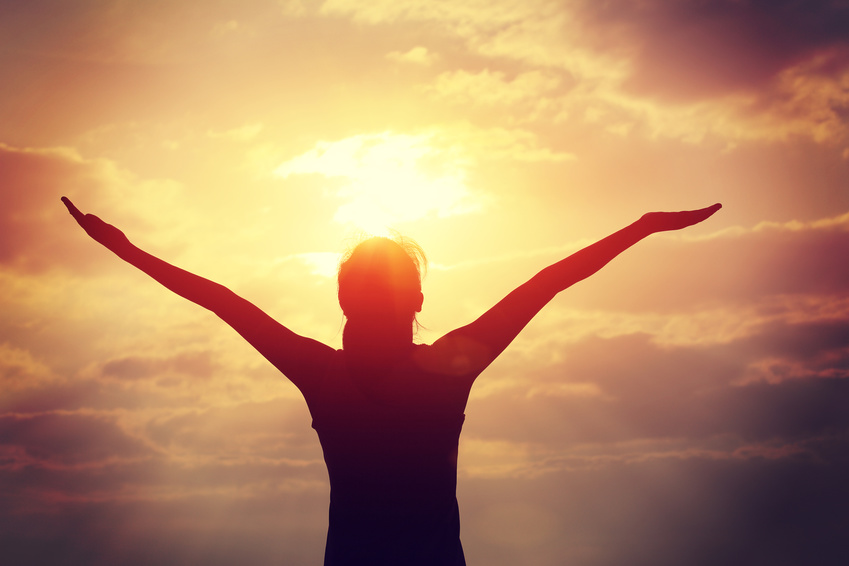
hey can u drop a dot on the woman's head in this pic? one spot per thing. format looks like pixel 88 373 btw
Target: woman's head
pixel 381 277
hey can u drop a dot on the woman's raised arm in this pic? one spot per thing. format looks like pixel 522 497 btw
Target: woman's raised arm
pixel 294 355
pixel 469 349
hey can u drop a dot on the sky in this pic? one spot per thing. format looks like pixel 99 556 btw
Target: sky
pixel 687 405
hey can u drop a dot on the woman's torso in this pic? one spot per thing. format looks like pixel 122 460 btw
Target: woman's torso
pixel 390 439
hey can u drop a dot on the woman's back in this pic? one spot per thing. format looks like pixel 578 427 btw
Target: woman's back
pixel 391 455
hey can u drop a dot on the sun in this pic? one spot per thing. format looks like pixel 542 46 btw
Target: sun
pixel 389 179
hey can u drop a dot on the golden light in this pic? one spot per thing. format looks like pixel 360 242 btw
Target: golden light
pixel 389 178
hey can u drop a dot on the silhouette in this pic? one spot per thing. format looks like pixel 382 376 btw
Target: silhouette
pixel 388 412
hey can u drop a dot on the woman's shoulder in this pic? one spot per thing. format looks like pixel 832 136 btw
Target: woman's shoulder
pixel 455 356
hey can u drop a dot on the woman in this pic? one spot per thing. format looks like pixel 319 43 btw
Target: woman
pixel 389 412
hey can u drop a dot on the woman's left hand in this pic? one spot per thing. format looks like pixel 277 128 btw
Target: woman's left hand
pixel 100 231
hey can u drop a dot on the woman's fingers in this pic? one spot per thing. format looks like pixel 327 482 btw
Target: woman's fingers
pixel 75 212
pixel 664 221
pixel 711 209
pixel 704 213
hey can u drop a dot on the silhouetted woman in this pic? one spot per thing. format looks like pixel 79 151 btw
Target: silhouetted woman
pixel 388 412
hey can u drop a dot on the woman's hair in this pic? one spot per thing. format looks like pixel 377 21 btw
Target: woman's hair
pixel 382 275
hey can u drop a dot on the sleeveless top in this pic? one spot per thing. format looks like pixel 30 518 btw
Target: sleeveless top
pixel 392 461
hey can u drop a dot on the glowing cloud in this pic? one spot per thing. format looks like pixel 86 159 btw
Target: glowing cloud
pixel 389 178
pixel 417 56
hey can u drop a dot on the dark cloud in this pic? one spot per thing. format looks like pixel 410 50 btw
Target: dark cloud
pixel 660 513
pixel 66 457
pixel 213 530
pixel 694 392
pixel 701 48
pixel 97 30
pixel 672 511
pixel 68 439
pixel 41 398
pixel 819 346
pixel 278 428
pixel 38 233
pixel 98 395
pixel 77 490
pixel 194 365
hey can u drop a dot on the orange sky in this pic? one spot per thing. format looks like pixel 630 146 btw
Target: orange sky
pixel 685 406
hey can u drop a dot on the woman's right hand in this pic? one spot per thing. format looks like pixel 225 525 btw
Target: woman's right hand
pixel 665 221
pixel 100 231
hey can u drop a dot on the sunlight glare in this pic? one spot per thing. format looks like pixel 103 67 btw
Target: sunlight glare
pixel 390 178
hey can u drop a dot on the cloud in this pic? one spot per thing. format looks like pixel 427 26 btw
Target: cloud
pixel 498 144
pixel 783 352
pixel 538 34
pixel 231 28
pixel 270 431
pixel 35 223
pixel 20 370
pixel 668 403
pixel 418 55
pixel 529 95
pixel 701 48
pixel 688 70
pixel 67 439
pixel 762 70
pixel 384 11
pixel 106 31
pixel 33 181
pixel 810 98
pixel 214 530
pixel 241 134
pixel 656 508
pixel 196 365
